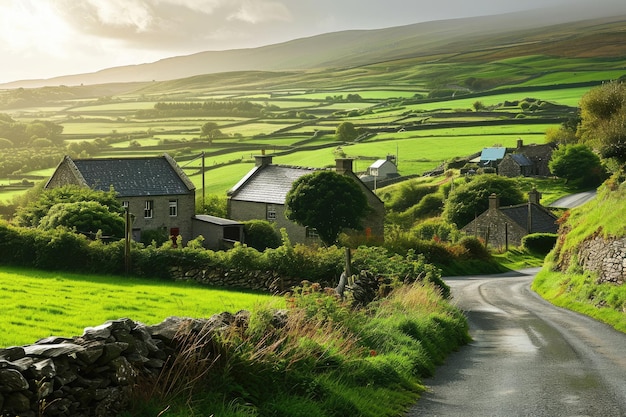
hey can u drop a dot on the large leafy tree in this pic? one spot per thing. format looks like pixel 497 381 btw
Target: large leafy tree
pixel 471 199
pixel 85 217
pixel 346 132
pixel 603 120
pixel 327 201
pixel 30 214
pixel 577 163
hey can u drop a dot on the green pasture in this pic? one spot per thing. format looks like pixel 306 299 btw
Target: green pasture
pixel 38 304
pixel 125 106
pixel 219 180
pixel 254 128
pixel 567 77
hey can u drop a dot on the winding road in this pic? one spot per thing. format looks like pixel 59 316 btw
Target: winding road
pixel 527 357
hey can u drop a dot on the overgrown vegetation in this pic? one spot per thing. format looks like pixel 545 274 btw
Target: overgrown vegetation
pixel 563 281
pixel 322 358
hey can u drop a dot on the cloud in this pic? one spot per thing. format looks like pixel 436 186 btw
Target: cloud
pixel 261 11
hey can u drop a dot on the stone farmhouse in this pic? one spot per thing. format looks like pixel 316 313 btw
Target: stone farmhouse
pixel 156 192
pixel 523 160
pixel 261 194
pixel 504 226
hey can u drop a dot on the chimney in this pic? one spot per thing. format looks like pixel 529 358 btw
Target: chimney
pixel 534 196
pixel 520 143
pixel 343 165
pixel 262 160
pixel 494 202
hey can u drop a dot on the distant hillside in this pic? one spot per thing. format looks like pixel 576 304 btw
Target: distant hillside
pixel 550 32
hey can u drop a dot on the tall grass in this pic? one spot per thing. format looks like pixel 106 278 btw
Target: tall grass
pixel 321 358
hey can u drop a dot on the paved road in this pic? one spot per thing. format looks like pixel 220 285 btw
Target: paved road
pixel 574 200
pixel 527 358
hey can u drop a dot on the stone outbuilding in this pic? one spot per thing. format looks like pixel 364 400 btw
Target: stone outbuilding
pixel 506 226
pixel 515 165
pixel 261 194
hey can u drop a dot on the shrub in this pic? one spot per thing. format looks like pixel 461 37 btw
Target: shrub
pixel 540 243
pixel 436 229
pixel 261 234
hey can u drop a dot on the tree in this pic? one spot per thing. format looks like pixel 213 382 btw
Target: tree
pixel 346 132
pixel 84 217
pixel 328 202
pixel 30 214
pixel 471 199
pixel 577 163
pixel 210 130
pixel 603 120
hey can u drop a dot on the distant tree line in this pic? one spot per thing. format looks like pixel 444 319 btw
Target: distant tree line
pixel 207 108
pixel 38 133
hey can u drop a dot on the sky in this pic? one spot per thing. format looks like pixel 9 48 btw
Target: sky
pixel 49 38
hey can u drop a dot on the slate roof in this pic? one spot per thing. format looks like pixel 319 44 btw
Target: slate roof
pixel 216 220
pixel 521 159
pixel 492 154
pixel 267 184
pixel 133 177
pixel 378 163
pixel 542 220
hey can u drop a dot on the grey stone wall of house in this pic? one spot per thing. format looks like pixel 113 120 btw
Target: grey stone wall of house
pixel 94 374
pixel 161 219
pixel 509 168
pixel 606 257
pixel 247 210
pixel 496 229
pixel 63 176
pixel 539 155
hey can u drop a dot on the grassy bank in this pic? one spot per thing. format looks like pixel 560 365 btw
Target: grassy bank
pixel 326 359
pixel 563 282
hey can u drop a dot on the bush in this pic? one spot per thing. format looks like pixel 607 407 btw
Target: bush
pixel 436 229
pixel 261 234
pixel 540 243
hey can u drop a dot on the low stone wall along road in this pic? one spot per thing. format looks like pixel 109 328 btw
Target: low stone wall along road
pixel 527 357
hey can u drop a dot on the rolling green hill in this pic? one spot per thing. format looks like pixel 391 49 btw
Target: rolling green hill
pixel 552 32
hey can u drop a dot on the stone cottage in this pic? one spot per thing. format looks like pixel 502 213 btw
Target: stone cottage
pixel 260 195
pixel 526 160
pixel 156 191
pixel 506 226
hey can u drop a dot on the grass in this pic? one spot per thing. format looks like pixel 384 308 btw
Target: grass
pixel 37 304
pixel 325 360
pixel 580 292
pixel 564 283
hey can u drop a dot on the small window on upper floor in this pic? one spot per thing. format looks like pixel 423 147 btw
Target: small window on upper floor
pixel 271 212
pixel 148 209
pixel 173 208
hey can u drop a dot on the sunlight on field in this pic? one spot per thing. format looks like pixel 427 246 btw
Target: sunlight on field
pixel 37 304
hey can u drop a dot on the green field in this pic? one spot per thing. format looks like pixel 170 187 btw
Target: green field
pixel 38 304
pixel 423 131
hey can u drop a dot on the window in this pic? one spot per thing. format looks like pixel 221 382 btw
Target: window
pixel 125 204
pixel 271 212
pixel 311 232
pixel 173 208
pixel 149 208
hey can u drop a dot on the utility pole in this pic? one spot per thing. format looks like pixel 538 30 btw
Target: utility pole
pixel 203 171
pixel 127 242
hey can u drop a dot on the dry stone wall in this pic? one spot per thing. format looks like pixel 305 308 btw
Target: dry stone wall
pixel 93 374
pixel 267 281
pixel 606 257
